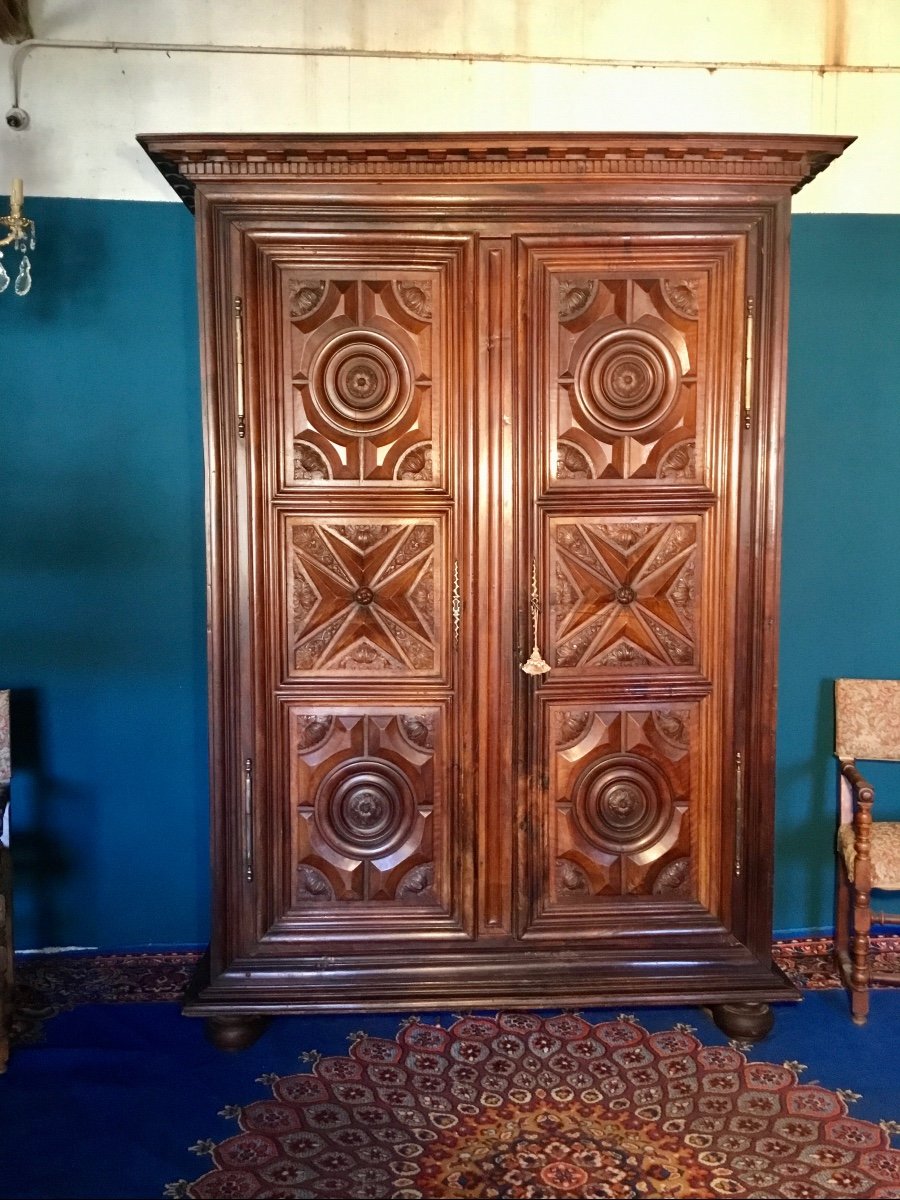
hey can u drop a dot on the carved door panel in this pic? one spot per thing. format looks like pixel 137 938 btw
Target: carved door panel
pixel 631 368
pixel 358 625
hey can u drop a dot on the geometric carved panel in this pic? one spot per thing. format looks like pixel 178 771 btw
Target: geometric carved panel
pixel 364 596
pixel 366 791
pixel 621 790
pixel 364 368
pixel 623 593
pixel 624 373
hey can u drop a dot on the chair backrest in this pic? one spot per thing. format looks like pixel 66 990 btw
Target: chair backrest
pixel 867 718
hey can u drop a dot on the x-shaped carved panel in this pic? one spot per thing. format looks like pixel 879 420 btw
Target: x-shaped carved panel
pixel 623 593
pixel 363 596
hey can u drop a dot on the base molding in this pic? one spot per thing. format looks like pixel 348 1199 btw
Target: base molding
pixel 541 979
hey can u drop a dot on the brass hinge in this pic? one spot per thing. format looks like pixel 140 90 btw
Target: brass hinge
pixel 748 363
pixel 248 817
pixel 738 812
pixel 239 364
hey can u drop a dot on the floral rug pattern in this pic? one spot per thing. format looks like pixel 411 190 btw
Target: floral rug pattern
pixel 522 1106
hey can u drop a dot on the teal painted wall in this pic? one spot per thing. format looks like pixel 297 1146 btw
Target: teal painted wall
pixel 102 579
pixel 840 597
pixel 102 561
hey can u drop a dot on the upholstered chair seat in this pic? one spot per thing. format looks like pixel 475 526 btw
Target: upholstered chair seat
pixel 884 853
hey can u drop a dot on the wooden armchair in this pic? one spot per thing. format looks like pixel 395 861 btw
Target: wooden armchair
pixel 867 726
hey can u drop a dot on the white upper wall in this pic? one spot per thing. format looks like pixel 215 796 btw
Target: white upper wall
pixel 485 65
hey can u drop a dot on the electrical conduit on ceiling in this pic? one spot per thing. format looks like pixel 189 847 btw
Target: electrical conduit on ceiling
pixel 18 118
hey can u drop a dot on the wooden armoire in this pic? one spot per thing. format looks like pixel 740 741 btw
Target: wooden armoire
pixel 475 403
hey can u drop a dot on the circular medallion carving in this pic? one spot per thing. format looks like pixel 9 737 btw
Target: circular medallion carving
pixel 364 595
pixel 622 803
pixel 625 594
pixel 627 381
pixel 361 381
pixel 368 808
pixel 365 808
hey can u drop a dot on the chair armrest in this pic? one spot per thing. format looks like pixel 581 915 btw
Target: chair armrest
pixel 863 795
pixel 862 789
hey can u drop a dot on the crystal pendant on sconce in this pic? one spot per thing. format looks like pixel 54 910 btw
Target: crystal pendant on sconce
pixel 21 239
pixel 23 279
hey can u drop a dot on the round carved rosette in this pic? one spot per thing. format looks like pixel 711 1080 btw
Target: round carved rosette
pixel 622 804
pixel 361 382
pixel 627 381
pixel 365 808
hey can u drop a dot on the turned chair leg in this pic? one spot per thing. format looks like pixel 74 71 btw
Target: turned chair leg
pixel 860 969
pixel 842 920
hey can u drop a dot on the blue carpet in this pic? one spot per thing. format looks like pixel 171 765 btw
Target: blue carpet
pixel 109 1104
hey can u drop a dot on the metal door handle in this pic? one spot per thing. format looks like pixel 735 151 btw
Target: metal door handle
pixel 456 604
pixel 535 663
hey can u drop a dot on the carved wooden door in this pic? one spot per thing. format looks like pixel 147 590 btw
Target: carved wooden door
pixel 359 449
pixel 632 358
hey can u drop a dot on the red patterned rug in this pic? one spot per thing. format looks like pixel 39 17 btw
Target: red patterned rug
pixel 809 962
pixel 48 984
pixel 522 1106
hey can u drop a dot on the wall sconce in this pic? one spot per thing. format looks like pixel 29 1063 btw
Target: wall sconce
pixel 21 236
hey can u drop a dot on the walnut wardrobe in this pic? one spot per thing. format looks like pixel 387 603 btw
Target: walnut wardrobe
pixel 474 404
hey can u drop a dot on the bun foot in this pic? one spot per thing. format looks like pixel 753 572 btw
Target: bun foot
pixel 234 1033
pixel 747 1022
